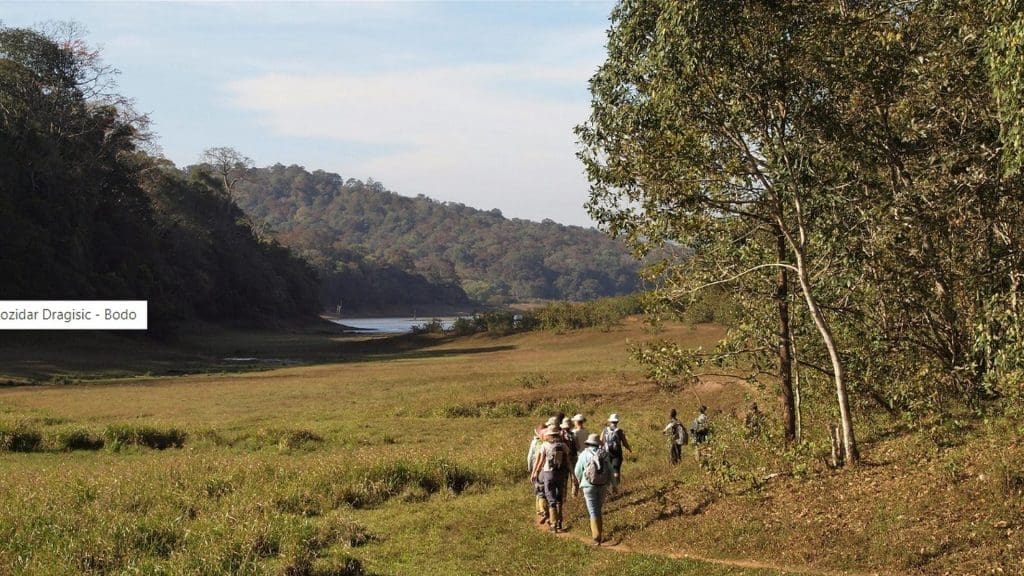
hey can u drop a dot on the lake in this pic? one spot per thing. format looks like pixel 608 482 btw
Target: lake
pixel 392 325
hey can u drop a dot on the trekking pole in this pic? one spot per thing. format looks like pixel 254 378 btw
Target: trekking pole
pixel 699 401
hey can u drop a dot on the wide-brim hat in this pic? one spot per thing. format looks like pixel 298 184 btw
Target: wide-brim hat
pixel 553 421
pixel 565 425
pixel 613 418
pixel 579 418
pixel 552 431
pixel 593 440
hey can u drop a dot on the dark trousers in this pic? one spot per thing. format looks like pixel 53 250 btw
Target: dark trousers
pixel 554 487
pixel 675 452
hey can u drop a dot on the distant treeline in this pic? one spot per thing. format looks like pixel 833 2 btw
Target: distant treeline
pixel 347 228
pixel 603 313
pixel 86 213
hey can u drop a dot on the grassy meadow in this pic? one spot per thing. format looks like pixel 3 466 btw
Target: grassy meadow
pixel 407 464
pixel 413 462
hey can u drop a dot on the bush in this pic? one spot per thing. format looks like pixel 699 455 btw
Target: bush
pixel 435 326
pixel 294 439
pixel 603 313
pixel 464 326
pixel 288 438
pixel 20 438
pixel 487 410
pixel 78 439
pixel 118 436
pixel 383 482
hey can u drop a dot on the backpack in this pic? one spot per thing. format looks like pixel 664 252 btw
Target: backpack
pixel 612 441
pixel 595 472
pixel 556 457
pixel 699 425
pixel 682 438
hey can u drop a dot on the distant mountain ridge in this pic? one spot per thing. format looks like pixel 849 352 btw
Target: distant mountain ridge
pixel 348 229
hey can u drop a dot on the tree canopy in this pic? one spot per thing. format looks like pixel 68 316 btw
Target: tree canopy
pixel 848 153
pixel 462 252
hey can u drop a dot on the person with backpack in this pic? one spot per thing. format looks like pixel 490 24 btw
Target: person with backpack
pixel 594 472
pixel 541 504
pixel 613 440
pixel 579 434
pixel 700 427
pixel 550 470
pixel 569 439
pixel 677 437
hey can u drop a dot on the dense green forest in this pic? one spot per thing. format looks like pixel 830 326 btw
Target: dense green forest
pixel 849 172
pixel 86 213
pixel 348 229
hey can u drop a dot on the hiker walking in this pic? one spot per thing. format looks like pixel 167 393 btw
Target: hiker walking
pixel 541 503
pixel 579 432
pixel 700 428
pixel 593 472
pixel 677 437
pixel 613 440
pixel 569 439
pixel 551 468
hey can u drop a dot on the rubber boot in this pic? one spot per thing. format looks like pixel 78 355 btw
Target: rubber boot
pixel 543 513
pixel 596 526
pixel 556 518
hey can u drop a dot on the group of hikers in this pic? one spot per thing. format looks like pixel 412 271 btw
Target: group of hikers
pixel 563 449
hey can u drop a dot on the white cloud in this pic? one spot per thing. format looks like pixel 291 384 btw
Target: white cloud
pixel 487 136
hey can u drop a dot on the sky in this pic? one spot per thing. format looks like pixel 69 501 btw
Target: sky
pixel 468 102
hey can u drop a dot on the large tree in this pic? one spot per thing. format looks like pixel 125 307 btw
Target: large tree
pixel 866 148
pixel 705 130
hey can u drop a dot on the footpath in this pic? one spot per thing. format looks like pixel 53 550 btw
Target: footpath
pixel 618 546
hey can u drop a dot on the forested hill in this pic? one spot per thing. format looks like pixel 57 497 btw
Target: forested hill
pixel 85 213
pixel 336 223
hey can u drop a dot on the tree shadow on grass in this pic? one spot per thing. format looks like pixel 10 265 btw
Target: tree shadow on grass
pixel 35 359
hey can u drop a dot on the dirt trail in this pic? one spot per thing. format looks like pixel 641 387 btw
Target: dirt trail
pixel 618 546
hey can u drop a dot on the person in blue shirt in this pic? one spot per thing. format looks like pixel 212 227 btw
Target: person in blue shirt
pixel 594 482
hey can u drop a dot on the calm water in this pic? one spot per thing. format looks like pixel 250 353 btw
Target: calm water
pixel 392 325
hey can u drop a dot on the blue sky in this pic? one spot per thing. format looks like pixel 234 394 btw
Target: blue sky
pixel 470 102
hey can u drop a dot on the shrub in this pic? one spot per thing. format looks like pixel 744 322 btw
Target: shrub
pixel 78 439
pixel 294 439
pixel 20 438
pixel 288 438
pixel 380 483
pixel 603 313
pixel 435 326
pixel 300 504
pixel 121 435
pixel 464 326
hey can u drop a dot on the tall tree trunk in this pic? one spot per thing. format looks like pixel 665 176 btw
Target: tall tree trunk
pixel 845 415
pixel 796 387
pixel 785 345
